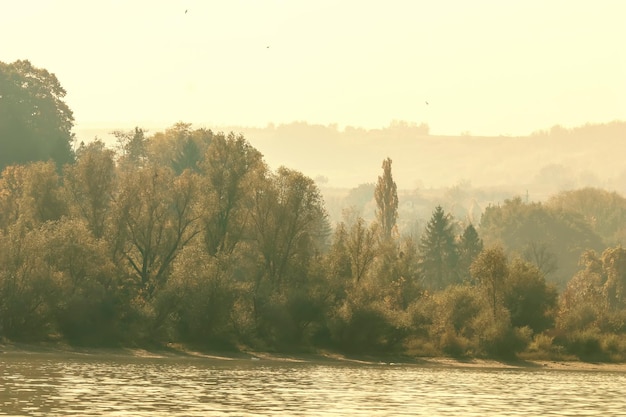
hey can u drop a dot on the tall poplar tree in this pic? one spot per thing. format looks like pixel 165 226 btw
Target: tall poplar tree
pixel 386 195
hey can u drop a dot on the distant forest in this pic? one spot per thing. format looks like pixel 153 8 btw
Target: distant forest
pixel 186 236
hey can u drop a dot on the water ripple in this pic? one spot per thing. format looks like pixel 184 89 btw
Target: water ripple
pixel 86 386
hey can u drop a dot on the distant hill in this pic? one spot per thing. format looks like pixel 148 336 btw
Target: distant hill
pixel 541 163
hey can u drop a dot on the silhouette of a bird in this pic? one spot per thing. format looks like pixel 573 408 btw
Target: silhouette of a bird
pixel 185 11
pixel 426 103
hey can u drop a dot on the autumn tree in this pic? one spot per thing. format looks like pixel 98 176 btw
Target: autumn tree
pixel 27 286
pixel 90 185
pixel 84 283
pixel 230 170
pixel 132 146
pixel 288 216
pixel 614 262
pixel 540 254
pixel 35 123
pixel 290 230
pixel 155 218
pixel 596 295
pixel 179 147
pixel 11 192
pixel 187 156
pixel 338 263
pixel 490 270
pixel 582 304
pixel 453 314
pixel 362 247
pixel 551 237
pixel 386 195
pixel 530 300
pixel 604 211
pixel 200 297
pixel 396 274
pixel 31 195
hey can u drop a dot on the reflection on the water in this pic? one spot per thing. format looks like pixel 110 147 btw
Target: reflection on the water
pixel 47 385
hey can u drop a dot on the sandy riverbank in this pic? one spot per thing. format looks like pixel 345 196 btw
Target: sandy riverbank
pixel 177 351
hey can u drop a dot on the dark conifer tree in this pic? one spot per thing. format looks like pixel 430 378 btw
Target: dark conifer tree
pixel 438 252
pixel 470 245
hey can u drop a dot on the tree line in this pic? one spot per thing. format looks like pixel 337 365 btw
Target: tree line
pixel 186 236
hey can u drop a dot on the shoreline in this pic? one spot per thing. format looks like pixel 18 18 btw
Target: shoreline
pixel 180 352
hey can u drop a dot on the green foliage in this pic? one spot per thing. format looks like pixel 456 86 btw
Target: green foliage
pixel 35 122
pixel 89 185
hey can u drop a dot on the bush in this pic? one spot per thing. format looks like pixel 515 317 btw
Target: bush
pixel 455 345
pixel 453 312
pixel 586 345
pixel 366 329
pixel 497 338
pixel 416 346
pixel 543 347
pixel 614 347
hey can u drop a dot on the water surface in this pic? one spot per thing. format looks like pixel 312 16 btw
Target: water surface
pixel 74 385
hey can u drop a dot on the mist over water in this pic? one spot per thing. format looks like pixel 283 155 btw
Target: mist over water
pixel 67 385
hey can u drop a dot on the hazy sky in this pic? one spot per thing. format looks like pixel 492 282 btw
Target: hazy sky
pixel 487 67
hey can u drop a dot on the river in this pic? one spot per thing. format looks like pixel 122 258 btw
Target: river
pixel 34 384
